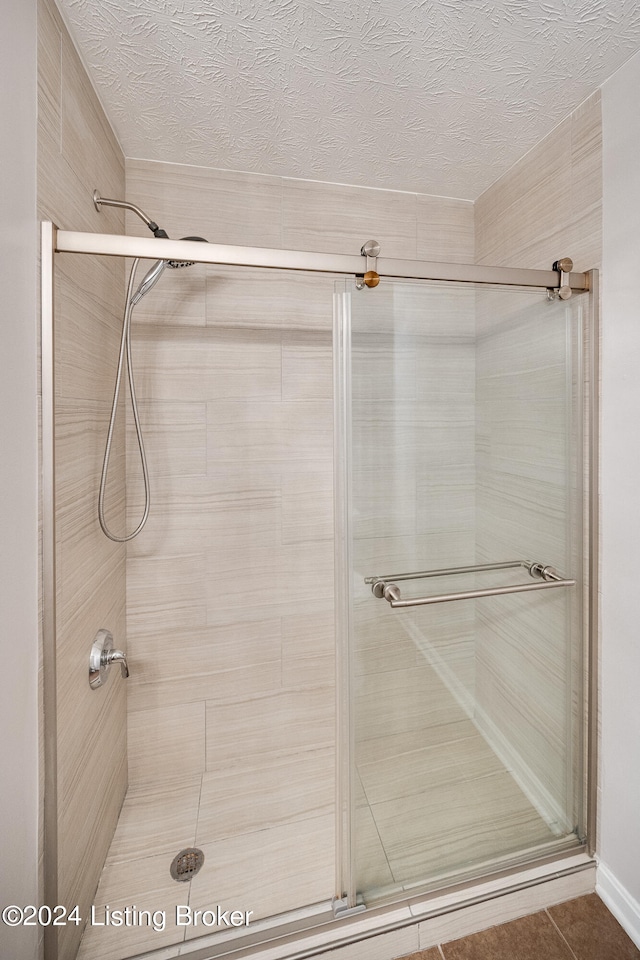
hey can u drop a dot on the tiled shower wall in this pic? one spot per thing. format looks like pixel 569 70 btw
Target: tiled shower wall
pixel 77 151
pixel 546 207
pixel 230 587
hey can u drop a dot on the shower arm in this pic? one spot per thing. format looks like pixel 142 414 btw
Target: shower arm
pixel 157 231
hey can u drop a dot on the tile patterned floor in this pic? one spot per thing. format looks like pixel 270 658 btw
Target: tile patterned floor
pixel 581 929
pixel 431 797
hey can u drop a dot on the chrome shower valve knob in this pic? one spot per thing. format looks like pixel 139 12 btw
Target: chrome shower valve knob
pixel 102 656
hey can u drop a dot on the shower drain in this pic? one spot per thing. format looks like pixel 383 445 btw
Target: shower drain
pixel 186 864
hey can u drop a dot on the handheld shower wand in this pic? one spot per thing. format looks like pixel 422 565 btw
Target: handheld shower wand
pixel 148 281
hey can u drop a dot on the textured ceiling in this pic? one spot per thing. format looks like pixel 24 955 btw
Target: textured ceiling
pixel 436 96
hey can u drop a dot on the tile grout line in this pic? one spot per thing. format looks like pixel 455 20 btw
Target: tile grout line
pixel 441 951
pixel 561 935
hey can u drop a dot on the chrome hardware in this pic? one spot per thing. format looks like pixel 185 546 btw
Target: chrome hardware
pixel 370 250
pixel 102 656
pixel 564 268
pixel 385 587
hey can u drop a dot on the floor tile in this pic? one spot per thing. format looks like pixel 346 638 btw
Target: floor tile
pixel 257 796
pixel 156 817
pixel 529 938
pixel 147 885
pixel 268 872
pixel 591 931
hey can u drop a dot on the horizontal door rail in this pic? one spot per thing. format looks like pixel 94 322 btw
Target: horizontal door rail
pixel 110 244
pixel 546 577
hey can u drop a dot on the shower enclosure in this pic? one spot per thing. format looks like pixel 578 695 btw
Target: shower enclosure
pixel 461 441
pixel 464 608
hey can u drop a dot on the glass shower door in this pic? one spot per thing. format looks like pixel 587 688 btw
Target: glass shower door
pixel 461 464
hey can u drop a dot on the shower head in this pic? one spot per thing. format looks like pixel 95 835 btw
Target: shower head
pixel 176 264
pixel 153 275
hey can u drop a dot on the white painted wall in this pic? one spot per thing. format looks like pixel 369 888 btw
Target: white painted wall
pixel 619 875
pixel 18 475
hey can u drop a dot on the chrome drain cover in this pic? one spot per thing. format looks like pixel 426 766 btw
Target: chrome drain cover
pixel 186 864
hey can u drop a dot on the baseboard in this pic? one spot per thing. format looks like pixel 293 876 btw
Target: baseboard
pixel 622 905
pixel 534 790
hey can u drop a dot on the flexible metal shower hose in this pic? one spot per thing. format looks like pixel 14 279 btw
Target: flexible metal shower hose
pixel 125 351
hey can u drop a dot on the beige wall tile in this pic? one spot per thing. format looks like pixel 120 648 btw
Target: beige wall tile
pixel 251 430
pixel 171 740
pixel 445 229
pixel 402 700
pixel 76 145
pixel 200 364
pixel 284 724
pixel 517 218
pixel 307 368
pixel 339 219
pixel 88 141
pixel 219 205
pixel 224 661
pixel 308 647
pixel 175 439
pixel 241 297
pixel 88 326
pixel 268 577
pixel 235 503
pixel 307 500
pixel 166 591
pixel 49 72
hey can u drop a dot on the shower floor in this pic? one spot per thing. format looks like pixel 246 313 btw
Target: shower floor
pixel 426 798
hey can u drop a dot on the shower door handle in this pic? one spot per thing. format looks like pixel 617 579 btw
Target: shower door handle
pixel 546 576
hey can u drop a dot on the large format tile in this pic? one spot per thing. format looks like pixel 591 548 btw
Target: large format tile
pixel 263 793
pixel 415 771
pixel 371 865
pixel 274 578
pixel 309 646
pixel 250 430
pixel 342 218
pixel 591 931
pixel 449 826
pixel 158 817
pixel 250 297
pixel 49 73
pixel 170 740
pixel 147 884
pixel 402 700
pixel 307 500
pixel 307 367
pixel 219 205
pixel 446 229
pixel 268 872
pixel 175 441
pixel 283 724
pixel 207 364
pixel 88 141
pixel 216 662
